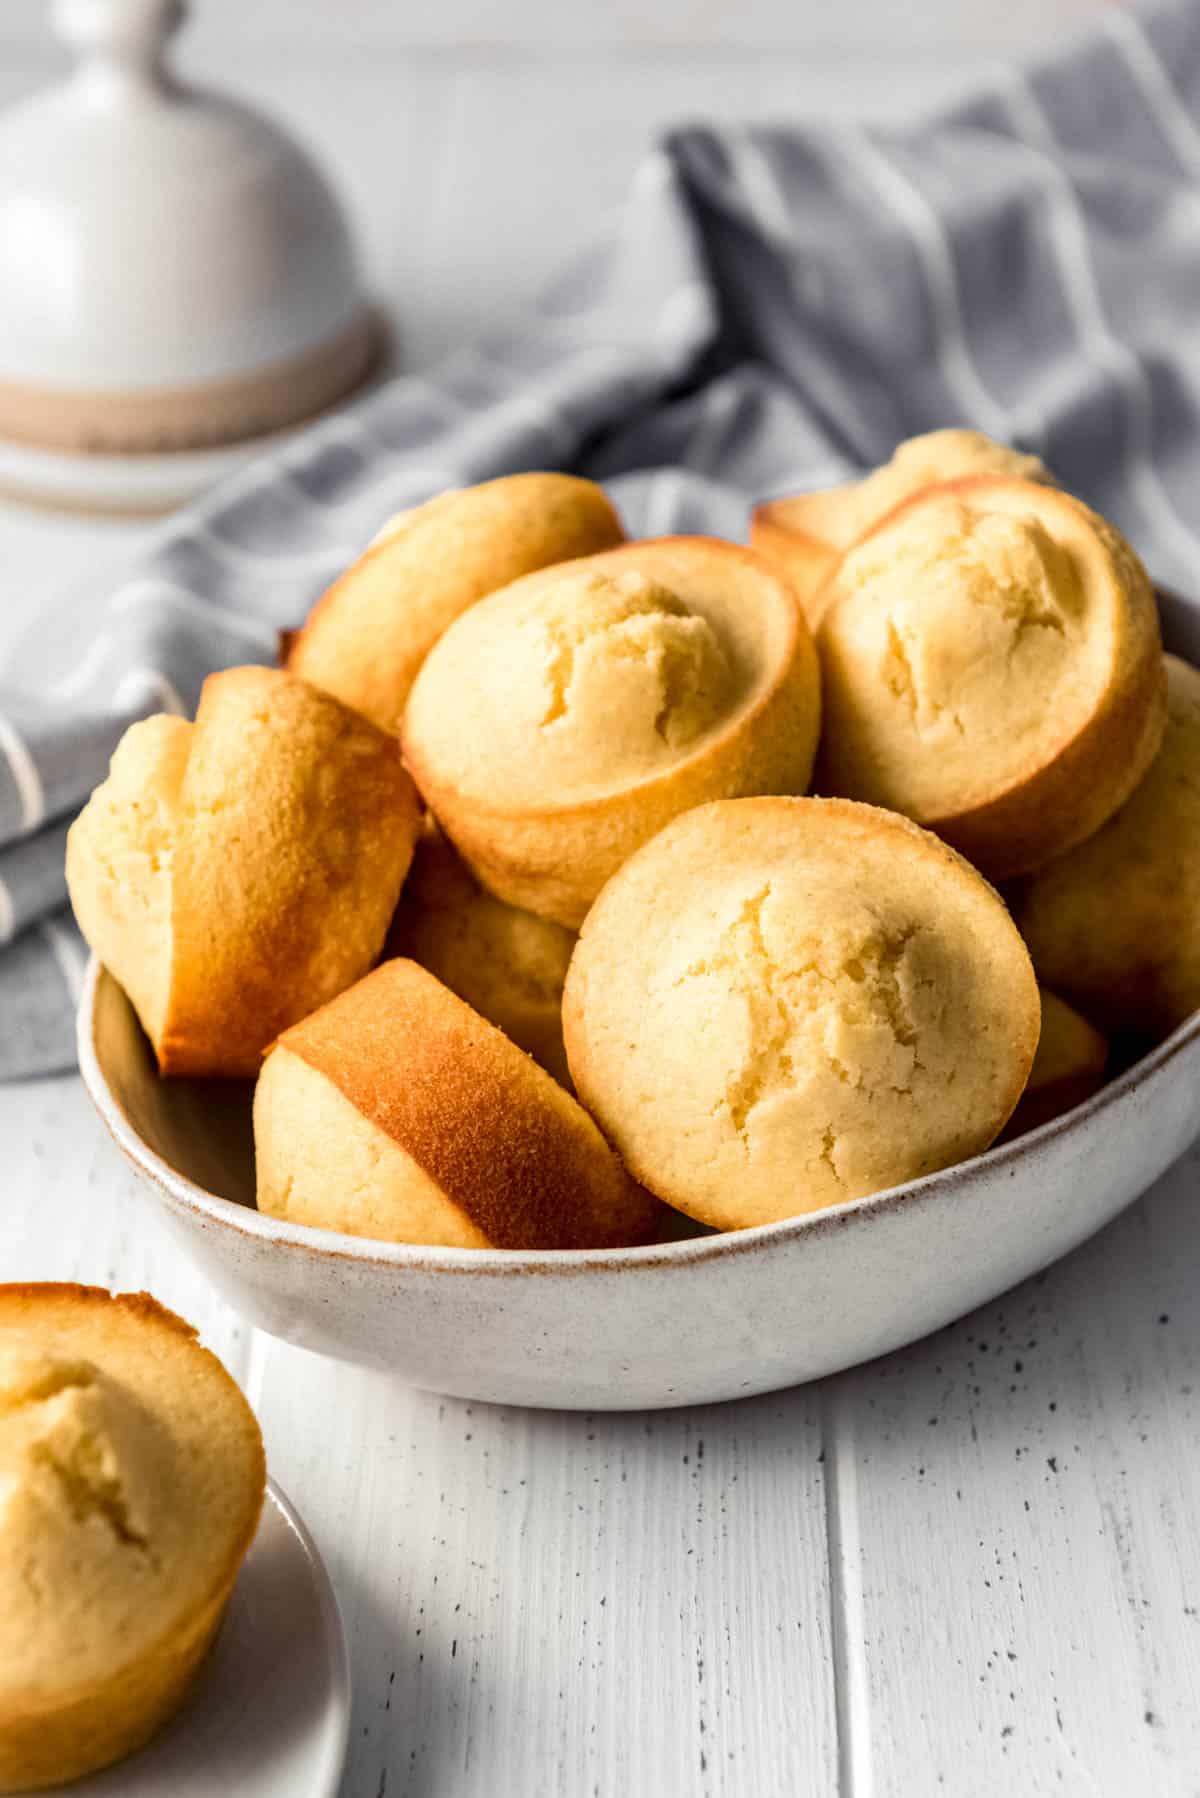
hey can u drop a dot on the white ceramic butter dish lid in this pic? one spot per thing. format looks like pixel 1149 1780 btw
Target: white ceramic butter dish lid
pixel 175 271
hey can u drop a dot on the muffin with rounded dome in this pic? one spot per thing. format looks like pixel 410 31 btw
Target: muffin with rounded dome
pixel 508 965
pixel 131 1481
pixel 367 636
pixel 1114 925
pixel 563 721
pixel 806 533
pixel 233 874
pixel 399 1113
pixel 991 667
pixel 781 1004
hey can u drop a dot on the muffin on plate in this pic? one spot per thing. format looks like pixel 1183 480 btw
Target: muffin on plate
pixel 399 1113
pixel 131 1481
pixel 508 965
pixel 367 636
pixel 805 535
pixel 562 721
pixel 235 873
pixel 781 1004
pixel 991 667
pixel 1114 925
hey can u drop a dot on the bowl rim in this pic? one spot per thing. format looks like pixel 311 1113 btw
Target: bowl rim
pixel 427 1258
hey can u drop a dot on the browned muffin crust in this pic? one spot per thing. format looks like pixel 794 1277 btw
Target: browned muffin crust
pixel 269 882
pixel 1074 778
pixel 367 636
pixel 47 1735
pixel 501 1139
pixel 548 847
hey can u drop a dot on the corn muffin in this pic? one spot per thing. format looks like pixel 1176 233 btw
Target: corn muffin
pixel 1068 1068
pixel 234 874
pixel 367 636
pixel 807 534
pixel 781 1004
pixel 564 720
pixel 131 1481
pixel 991 667
pixel 508 965
pixel 1114 925
pixel 399 1113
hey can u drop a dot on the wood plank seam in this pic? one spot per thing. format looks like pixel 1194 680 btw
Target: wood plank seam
pixel 847 1610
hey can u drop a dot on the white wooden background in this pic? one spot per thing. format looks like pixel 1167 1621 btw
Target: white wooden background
pixel 970 1568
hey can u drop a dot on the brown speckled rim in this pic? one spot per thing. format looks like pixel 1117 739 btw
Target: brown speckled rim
pixel 239 1220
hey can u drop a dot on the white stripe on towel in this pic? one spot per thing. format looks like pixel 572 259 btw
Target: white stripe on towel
pixel 153 589
pixel 26 778
pixel 148 680
pixel 334 556
pixel 398 483
pixel 1083 297
pixel 718 407
pixel 78 679
pixel 760 184
pixel 662 503
pixel 928 236
pixel 65 951
pixel 1163 103
pixel 683 314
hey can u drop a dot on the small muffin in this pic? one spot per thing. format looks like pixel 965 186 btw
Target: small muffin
pixel 806 535
pixel 507 964
pixel 1067 1069
pixel 781 1004
pixel 236 873
pixel 1115 924
pixel 131 1481
pixel 399 1113
pixel 367 636
pixel 991 667
pixel 564 720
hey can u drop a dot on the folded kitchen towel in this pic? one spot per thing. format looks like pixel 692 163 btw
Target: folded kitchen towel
pixel 773 311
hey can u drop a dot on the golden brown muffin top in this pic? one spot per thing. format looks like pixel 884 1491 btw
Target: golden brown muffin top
pixel 924 461
pixel 779 1004
pixel 131 1480
pixel 975 637
pixel 366 638
pixel 601 675
pixel 500 1138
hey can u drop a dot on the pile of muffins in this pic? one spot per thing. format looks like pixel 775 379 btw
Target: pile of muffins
pixel 509 892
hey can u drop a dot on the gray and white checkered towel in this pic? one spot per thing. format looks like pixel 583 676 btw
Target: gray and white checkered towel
pixel 773 311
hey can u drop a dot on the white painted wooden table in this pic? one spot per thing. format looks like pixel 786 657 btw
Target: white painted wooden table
pixel 973 1567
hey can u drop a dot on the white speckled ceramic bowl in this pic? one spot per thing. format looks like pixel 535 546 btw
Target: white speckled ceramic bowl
pixel 712 1318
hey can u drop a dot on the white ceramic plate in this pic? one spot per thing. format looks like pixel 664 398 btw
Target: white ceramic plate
pixel 270 1714
pixel 716 1317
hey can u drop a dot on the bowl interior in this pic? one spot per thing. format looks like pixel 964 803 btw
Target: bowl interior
pixel 200 1128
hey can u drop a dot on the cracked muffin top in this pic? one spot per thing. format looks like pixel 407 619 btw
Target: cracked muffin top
pixel 990 665
pixel 780 1004
pixel 920 462
pixel 131 1479
pixel 563 720
pixel 805 533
